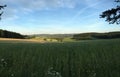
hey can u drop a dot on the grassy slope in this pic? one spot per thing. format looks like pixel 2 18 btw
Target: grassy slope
pixel 98 58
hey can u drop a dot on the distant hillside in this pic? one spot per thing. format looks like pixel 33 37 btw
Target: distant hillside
pixel 9 34
pixel 91 36
pixel 52 35
pixel 81 36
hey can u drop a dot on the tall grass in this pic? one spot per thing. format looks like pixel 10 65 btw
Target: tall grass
pixel 99 58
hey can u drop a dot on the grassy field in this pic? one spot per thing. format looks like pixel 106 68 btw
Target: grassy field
pixel 97 58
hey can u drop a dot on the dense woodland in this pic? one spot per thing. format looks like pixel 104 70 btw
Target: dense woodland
pixel 92 36
pixel 9 34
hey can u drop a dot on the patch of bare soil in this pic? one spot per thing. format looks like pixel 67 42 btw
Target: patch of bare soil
pixel 21 40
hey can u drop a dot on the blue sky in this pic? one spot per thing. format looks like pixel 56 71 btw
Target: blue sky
pixel 56 16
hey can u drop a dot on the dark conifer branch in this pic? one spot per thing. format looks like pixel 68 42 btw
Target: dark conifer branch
pixel 113 15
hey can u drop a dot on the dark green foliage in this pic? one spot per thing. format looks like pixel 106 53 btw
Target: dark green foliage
pixel 92 36
pixel 83 36
pixel 2 7
pixel 8 34
pixel 59 39
pixel 112 15
pixel 99 58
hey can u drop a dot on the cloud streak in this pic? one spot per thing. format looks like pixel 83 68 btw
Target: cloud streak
pixel 32 5
pixel 41 4
pixel 89 5
pixel 27 7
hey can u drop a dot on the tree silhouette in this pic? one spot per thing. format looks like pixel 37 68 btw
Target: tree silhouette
pixel 2 7
pixel 112 15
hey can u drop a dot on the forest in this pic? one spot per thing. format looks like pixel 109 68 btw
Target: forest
pixel 9 34
pixel 92 36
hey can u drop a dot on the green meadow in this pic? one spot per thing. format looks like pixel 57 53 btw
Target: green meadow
pixel 92 58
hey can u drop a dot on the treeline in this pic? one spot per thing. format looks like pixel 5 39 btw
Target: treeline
pixel 92 36
pixel 9 34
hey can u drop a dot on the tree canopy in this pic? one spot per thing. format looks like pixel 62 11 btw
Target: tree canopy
pixel 2 7
pixel 112 15
pixel 9 34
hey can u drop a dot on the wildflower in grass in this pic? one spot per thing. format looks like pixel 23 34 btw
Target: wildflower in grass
pixel 94 75
pixel 12 75
pixel 2 60
pixel 3 63
pixel 52 73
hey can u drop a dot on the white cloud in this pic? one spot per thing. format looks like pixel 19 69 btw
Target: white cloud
pixel 41 4
pixel 28 6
